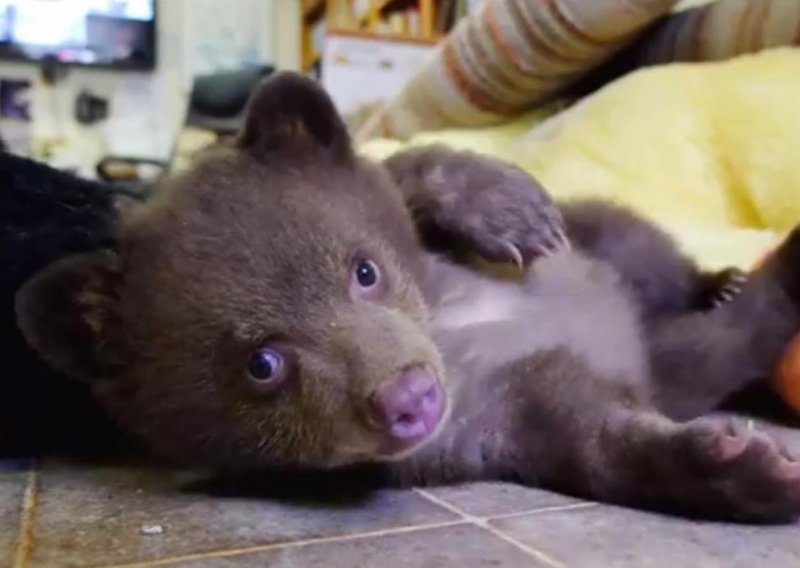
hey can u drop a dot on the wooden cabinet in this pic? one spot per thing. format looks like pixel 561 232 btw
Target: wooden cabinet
pixel 413 21
pixel 359 69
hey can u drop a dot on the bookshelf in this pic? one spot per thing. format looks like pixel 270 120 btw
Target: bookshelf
pixel 420 22
pixel 365 51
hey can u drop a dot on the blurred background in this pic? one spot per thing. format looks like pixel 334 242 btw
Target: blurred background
pixel 122 89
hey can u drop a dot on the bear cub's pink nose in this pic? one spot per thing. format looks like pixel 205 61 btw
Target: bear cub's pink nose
pixel 409 406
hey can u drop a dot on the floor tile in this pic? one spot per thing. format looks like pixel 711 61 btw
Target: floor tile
pixel 12 491
pixel 491 499
pixel 461 546
pixel 611 537
pixel 106 516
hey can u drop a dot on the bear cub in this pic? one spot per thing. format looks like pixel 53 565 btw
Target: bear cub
pixel 287 304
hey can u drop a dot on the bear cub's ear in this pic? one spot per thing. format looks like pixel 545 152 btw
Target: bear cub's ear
pixel 288 111
pixel 63 312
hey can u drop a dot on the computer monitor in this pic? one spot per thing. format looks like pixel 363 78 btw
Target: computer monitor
pixel 118 34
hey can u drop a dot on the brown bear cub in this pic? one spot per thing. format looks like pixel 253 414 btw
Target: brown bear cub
pixel 279 306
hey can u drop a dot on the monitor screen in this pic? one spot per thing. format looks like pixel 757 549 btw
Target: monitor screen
pixel 107 33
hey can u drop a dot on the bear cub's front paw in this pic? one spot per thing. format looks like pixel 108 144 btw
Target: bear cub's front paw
pixel 498 210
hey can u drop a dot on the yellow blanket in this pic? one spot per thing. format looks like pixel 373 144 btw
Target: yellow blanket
pixel 711 151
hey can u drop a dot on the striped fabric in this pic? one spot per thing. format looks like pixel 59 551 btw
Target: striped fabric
pixel 510 56
pixel 721 30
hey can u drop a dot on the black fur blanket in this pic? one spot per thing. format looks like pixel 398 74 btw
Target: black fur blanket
pixel 45 214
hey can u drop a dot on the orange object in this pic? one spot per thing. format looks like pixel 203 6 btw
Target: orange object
pixel 786 379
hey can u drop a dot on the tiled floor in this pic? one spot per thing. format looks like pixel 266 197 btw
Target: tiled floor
pixel 59 515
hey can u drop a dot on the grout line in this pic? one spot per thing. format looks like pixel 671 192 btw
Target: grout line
pixel 543 510
pixel 484 524
pixel 289 544
pixel 25 536
pixel 446 504
pixel 538 554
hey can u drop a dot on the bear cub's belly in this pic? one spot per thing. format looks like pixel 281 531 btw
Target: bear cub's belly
pixel 483 323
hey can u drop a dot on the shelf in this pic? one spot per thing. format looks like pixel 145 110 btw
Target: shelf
pixel 385 37
pixel 390 5
pixel 335 16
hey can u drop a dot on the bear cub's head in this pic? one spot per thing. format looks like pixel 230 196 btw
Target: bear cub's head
pixel 263 309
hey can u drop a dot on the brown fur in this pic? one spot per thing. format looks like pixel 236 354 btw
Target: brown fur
pixel 567 375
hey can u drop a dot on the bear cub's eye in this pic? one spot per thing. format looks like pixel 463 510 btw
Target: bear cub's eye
pixel 265 365
pixel 367 273
pixel 366 280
